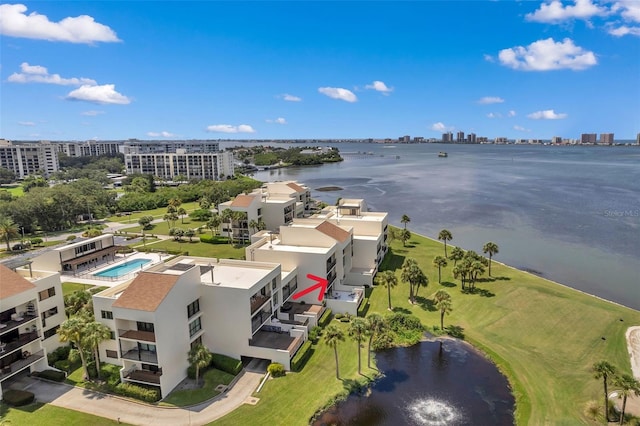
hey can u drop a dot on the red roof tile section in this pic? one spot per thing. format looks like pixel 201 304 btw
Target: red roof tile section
pixel 146 291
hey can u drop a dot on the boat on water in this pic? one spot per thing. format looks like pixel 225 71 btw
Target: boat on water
pixel 442 154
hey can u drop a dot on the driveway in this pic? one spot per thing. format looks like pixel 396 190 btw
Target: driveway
pixel 115 408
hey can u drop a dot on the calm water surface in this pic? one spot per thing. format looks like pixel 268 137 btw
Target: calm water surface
pixel 570 214
pixel 429 384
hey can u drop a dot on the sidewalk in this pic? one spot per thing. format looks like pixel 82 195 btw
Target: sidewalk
pixel 115 408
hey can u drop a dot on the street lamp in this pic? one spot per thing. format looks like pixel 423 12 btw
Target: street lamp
pixel 22 229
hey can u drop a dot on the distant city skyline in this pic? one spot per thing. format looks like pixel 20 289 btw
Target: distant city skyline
pixel 319 70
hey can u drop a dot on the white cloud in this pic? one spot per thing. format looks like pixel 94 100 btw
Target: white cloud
pixel 290 98
pixel 545 55
pixel 490 100
pixel 278 120
pixel 14 22
pixel 228 128
pixel 379 86
pixel 494 115
pixel 624 30
pixel 338 93
pixel 440 127
pixel 92 113
pixel 521 129
pixel 163 134
pixel 27 123
pixel 105 94
pixel 547 114
pixel 554 11
pixel 629 9
pixel 511 113
pixel 39 74
pixel 489 58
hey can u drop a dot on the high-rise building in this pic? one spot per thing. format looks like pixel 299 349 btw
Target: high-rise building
pixel 556 140
pixel 638 139
pixel 588 138
pixel 606 138
pixel 460 137
pixel 472 138
pixel 29 158
pixel 405 139
pixel 447 137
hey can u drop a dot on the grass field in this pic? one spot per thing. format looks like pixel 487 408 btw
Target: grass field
pixel 156 213
pixel 212 378
pixel 196 248
pixel 15 190
pixel 38 414
pixel 162 228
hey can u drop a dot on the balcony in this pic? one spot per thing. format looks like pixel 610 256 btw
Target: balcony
pixel 331 263
pixel 23 339
pixel 144 376
pixel 274 340
pixel 14 323
pixel 257 301
pixel 143 336
pixel 141 355
pixel 15 367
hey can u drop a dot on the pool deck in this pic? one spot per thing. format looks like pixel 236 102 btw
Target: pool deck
pixel 88 277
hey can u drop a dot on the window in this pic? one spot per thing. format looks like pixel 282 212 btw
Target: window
pixel 45 294
pixel 193 308
pixel 275 299
pixel 273 284
pixel 112 335
pixel 194 327
pixel 145 326
pixel 196 342
pixel 107 314
pixel 112 354
pixel 51 332
pixel 147 347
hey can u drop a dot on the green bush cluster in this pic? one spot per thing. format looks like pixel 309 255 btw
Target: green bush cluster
pixel 61 353
pixel 314 334
pixel 226 364
pixel 301 357
pixel 214 239
pixel 325 318
pixel 137 392
pixel 364 306
pixel 400 322
pixel 344 318
pixel 56 376
pixel 276 369
pixel 65 365
pixel 110 373
pixel 17 397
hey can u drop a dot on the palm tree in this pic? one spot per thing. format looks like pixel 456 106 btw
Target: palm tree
pixel 461 271
pixel 239 218
pixel 605 371
pixel 190 233
pixel 204 203
pixel 405 235
pixel 405 219
pixel 628 385
pixel 389 280
pixel 357 331
pixel 491 248
pixel 476 268
pixel 175 203
pixel 333 335
pixel 443 304
pixel 72 330
pixel 456 254
pixel 95 333
pixel 8 230
pixel 199 357
pixel 261 225
pixel 445 236
pixel 253 224
pixel 214 223
pixel 412 274
pixel 77 303
pixel 182 213
pixel 227 217
pixel 376 324
pixel 439 262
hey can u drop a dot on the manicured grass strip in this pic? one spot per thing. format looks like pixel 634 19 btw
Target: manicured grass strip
pixel 15 190
pixel 212 378
pixel 293 399
pixel 162 228
pixel 545 337
pixel 39 414
pixel 156 213
pixel 197 248
pixel 70 287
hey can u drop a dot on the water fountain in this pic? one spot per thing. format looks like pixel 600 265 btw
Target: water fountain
pixel 432 412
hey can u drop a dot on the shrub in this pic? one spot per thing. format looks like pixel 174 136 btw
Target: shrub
pixel 364 307
pixel 137 392
pixel 213 239
pixel 64 365
pixel 200 215
pixel 400 322
pixel 56 376
pixel 110 373
pixel 71 237
pixel 276 369
pixel 36 241
pixel 301 357
pixel 325 318
pixel 382 341
pixel 17 397
pixel 314 334
pixel 226 364
pixel 338 316
pixel 58 354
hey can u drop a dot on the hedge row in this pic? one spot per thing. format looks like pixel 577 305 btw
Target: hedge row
pixel 364 306
pixel 300 358
pixel 137 392
pixel 325 318
pixel 214 239
pixel 226 364
pixel 61 353
pixel 17 397
pixel 56 376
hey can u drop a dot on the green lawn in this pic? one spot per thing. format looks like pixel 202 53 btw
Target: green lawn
pixel 69 287
pixel 38 414
pixel 212 378
pixel 544 336
pixel 196 248
pixel 15 190
pixel 293 399
pixel 156 213
pixel 162 228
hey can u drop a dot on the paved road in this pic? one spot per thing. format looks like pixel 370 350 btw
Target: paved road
pixel 102 405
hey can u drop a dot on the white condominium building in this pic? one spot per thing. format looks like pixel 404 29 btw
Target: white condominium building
pixel 31 311
pixel 29 158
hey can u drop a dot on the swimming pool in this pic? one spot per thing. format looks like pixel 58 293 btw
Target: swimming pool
pixel 122 269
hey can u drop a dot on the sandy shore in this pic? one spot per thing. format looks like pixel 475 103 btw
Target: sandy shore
pixel 633 344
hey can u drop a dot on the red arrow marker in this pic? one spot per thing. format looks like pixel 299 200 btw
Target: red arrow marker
pixel 322 285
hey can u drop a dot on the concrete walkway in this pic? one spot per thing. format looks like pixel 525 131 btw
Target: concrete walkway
pixel 115 408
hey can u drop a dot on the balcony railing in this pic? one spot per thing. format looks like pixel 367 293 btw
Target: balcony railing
pixel 144 336
pixel 15 367
pixel 13 324
pixel 257 301
pixel 23 339
pixel 144 376
pixel 142 356
pixel 330 264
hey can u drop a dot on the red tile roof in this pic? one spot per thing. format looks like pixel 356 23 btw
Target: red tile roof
pixel 146 291
pixel 11 283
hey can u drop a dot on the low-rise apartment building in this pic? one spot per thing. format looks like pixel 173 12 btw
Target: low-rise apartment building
pixel 77 257
pixel 31 311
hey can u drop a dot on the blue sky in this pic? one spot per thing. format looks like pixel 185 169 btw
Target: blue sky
pixel 284 70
